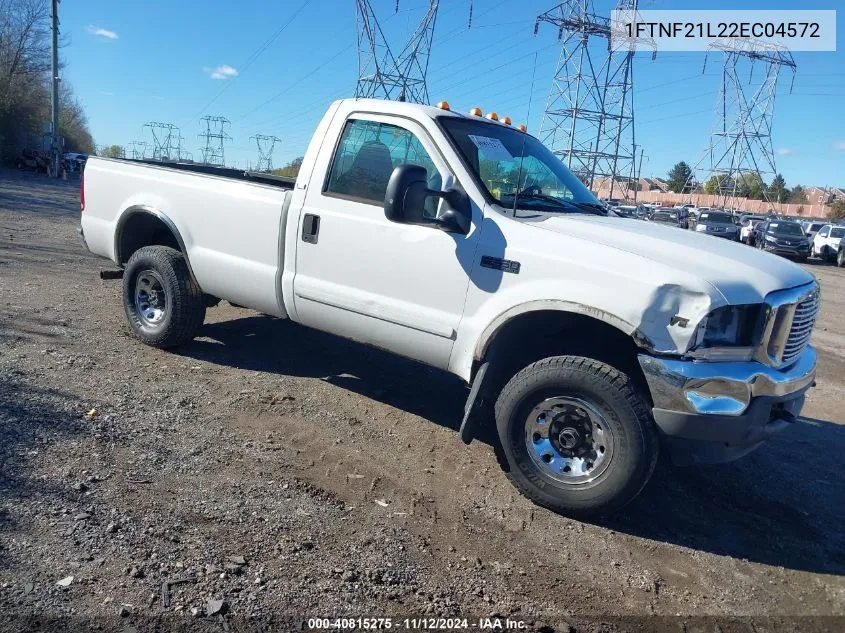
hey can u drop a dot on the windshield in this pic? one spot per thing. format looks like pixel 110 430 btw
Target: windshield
pixel 716 218
pixel 786 228
pixel 506 162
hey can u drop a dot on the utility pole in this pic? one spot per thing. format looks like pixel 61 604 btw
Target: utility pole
pixel 55 144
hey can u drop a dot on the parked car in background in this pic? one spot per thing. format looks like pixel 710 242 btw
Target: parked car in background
pixel 826 242
pixel 811 228
pixel 746 231
pixel 74 161
pixel 665 215
pixel 718 223
pixel 627 211
pixel 783 237
pixel 32 160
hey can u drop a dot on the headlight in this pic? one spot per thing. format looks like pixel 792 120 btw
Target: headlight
pixel 729 333
pixel 771 239
pixel 701 227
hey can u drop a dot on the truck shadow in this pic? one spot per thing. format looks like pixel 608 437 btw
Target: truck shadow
pixel 261 343
pixel 783 505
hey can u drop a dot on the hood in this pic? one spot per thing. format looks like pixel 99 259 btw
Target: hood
pixel 742 274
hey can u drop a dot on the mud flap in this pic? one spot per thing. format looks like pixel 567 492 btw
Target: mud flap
pixel 468 423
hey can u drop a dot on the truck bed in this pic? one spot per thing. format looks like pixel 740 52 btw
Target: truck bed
pixel 282 182
pixel 229 222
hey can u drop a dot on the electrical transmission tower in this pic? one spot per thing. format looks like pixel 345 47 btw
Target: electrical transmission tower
pixel 589 115
pixel 138 149
pixel 382 75
pixel 740 150
pixel 215 135
pixel 165 140
pixel 266 146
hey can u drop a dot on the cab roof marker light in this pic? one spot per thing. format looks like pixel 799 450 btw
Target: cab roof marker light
pixel 506 120
pixel 443 105
pixel 476 112
pixel 492 116
pixel 521 127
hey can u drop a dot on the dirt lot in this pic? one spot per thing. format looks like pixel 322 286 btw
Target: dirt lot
pixel 335 472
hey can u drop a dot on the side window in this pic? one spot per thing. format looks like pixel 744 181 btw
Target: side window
pixel 366 155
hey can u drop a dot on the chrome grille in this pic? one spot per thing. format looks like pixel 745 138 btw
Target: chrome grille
pixel 803 321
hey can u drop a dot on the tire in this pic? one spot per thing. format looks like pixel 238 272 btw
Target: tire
pixel 163 302
pixel 827 254
pixel 840 258
pixel 622 440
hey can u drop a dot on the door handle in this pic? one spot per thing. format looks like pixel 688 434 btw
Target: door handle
pixel 310 228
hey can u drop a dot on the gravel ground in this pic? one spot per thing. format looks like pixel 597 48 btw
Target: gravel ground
pixel 271 471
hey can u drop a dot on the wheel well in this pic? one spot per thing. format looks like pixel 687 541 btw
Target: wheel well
pixel 144 229
pixel 530 337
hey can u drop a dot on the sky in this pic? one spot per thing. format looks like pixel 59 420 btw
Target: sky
pixel 272 67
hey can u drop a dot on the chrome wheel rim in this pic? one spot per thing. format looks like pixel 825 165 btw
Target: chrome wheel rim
pixel 569 440
pixel 150 298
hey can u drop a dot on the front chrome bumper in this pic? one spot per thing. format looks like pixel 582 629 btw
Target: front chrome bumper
pixel 722 388
pixel 725 408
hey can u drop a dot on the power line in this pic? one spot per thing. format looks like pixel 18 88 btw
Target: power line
pixel 254 56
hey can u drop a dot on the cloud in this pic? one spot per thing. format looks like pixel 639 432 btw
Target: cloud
pixel 96 30
pixel 222 72
pixel 784 151
pixel 840 145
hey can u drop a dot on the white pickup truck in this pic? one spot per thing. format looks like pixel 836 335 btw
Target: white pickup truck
pixel 589 340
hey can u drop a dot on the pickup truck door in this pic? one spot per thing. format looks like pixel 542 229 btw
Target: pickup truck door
pixel 398 286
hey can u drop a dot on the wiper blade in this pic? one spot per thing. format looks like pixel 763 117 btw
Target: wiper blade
pixel 540 196
pixel 593 207
pixel 565 204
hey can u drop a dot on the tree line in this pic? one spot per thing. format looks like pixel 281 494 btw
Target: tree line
pixel 25 84
pixel 750 185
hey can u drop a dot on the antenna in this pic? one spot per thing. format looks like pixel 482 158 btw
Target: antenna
pixel 524 138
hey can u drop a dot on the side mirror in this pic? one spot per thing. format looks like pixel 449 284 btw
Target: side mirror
pixel 404 201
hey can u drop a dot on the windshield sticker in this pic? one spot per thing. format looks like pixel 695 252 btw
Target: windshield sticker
pixel 773 225
pixel 491 148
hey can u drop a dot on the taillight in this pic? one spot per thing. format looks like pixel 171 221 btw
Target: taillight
pixel 82 192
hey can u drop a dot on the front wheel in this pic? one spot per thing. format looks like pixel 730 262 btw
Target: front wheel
pixel 840 258
pixel 163 302
pixel 576 435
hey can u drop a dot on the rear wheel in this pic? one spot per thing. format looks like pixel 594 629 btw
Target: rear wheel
pixel 840 257
pixel 163 302
pixel 576 435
